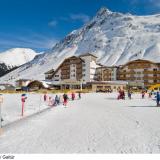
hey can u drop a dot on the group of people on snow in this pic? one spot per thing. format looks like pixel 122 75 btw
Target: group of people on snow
pixel 121 95
pixel 60 99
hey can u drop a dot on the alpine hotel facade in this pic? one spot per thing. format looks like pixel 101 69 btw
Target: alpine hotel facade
pixel 84 70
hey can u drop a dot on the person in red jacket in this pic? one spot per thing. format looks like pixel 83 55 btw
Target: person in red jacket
pixel 73 96
pixel 65 99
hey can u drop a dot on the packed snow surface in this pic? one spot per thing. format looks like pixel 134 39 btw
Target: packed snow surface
pixel 115 38
pixel 98 123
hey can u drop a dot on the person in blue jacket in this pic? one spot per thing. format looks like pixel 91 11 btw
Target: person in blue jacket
pixel 157 98
pixel 56 100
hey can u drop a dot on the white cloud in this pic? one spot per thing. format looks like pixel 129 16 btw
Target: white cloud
pixel 76 17
pixel 80 17
pixel 53 23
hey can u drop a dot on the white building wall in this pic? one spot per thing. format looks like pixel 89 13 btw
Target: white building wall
pixel 93 67
pixel 114 74
pixel 90 68
pixel 86 67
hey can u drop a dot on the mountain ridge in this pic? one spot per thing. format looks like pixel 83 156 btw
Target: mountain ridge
pixel 115 38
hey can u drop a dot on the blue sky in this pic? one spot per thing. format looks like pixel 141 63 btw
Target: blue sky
pixel 39 24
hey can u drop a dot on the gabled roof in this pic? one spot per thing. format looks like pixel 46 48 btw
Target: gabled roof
pixel 145 60
pixel 88 54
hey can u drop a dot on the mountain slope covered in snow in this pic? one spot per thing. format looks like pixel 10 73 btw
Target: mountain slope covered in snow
pixel 13 58
pixel 115 38
pixel 17 56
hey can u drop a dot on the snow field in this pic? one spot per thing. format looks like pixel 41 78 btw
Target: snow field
pixel 98 123
pixel 12 106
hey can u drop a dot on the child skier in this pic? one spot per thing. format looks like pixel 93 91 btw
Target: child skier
pixel 45 97
pixel 56 100
pixel 143 94
pixel 50 102
pixel 65 99
pixel 73 96
pixel 79 95
pixel 157 99
pixel 129 94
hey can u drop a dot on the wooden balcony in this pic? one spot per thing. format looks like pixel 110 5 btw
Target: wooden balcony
pixel 151 78
pixel 151 72
pixel 126 73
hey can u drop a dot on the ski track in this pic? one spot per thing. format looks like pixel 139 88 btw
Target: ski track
pixel 98 123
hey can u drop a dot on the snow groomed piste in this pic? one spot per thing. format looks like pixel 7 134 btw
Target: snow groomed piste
pixel 97 123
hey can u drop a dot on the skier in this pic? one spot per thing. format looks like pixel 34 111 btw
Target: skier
pixel 56 100
pixel 123 94
pixel 50 102
pixel 79 95
pixel 158 98
pixel 150 95
pixel 73 96
pixel 143 94
pixel 119 95
pixel 129 94
pixel 65 99
pixel 45 97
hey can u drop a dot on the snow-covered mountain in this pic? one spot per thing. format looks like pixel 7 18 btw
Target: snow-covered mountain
pixel 115 38
pixel 17 56
pixel 13 58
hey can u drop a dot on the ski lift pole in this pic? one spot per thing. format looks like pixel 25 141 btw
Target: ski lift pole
pixel 22 113
pixel 23 98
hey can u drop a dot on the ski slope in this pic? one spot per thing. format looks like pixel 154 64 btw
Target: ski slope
pixel 98 123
